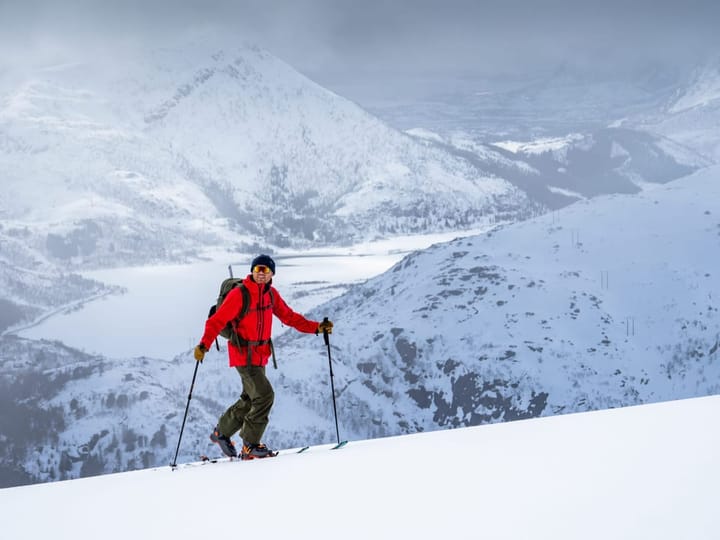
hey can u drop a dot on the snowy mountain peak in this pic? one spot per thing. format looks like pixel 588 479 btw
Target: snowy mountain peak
pixel 234 131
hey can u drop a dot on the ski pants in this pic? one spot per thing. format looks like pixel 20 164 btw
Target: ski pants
pixel 250 414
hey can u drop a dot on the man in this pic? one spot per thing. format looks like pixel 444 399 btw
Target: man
pixel 249 356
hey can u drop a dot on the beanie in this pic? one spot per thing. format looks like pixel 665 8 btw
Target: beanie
pixel 264 260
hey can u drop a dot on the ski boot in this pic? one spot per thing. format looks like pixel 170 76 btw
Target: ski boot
pixel 256 451
pixel 225 444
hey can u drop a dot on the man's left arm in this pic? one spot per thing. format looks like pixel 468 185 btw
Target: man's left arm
pixel 291 318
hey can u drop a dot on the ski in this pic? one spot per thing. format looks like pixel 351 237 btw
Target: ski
pixel 335 447
pixel 206 460
pixel 273 453
pixel 203 460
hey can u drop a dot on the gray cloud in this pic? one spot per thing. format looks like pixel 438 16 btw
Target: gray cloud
pixel 344 42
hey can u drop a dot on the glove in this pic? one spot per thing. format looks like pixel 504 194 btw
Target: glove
pixel 199 352
pixel 325 326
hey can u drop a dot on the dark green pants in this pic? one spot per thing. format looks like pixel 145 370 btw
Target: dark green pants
pixel 250 414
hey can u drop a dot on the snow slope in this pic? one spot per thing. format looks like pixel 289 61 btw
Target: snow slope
pixel 639 472
pixel 606 303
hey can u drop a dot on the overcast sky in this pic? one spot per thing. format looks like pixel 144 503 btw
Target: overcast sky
pixel 356 42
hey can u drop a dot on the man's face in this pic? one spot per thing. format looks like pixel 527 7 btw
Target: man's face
pixel 261 274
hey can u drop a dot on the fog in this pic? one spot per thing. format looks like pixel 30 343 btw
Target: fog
pixel 374 49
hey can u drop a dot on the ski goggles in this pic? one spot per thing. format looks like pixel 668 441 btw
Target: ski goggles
pixel 261 269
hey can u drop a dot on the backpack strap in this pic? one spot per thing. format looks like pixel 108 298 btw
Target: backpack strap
pixel 243 309
pixel 245 301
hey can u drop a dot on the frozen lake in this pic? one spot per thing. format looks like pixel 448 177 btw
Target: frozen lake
pixel 163 312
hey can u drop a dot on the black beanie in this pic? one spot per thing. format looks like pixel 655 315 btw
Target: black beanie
pixel 263 260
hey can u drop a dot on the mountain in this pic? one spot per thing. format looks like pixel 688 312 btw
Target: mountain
pixel 557 171
pixel 606 303
pixel 636 472
pixel 168 152
pixel 179 148
pixel 691 115
pixel 524 130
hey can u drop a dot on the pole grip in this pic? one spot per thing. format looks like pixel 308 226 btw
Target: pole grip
pixel 325 334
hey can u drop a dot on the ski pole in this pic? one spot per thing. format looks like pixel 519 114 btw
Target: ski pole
pixel 332 384
pixel 192 384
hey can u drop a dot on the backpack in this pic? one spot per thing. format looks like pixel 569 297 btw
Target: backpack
pixel 229 331
pixel 225 287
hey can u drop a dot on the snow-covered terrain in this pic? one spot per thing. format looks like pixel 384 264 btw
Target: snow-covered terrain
pixel 557 171
pixel 606 303
pixel 111 179
pixel 638 472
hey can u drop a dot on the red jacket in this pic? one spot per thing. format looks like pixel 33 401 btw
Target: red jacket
pixel 256 325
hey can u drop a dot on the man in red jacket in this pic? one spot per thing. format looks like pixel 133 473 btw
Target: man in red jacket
pixel 250 414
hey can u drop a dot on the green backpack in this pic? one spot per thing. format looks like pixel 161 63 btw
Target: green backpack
pixel 225 287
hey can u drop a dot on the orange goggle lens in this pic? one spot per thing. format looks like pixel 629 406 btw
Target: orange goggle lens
pixel 260 269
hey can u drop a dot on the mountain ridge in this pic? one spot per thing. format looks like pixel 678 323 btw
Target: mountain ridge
pixel 555 314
